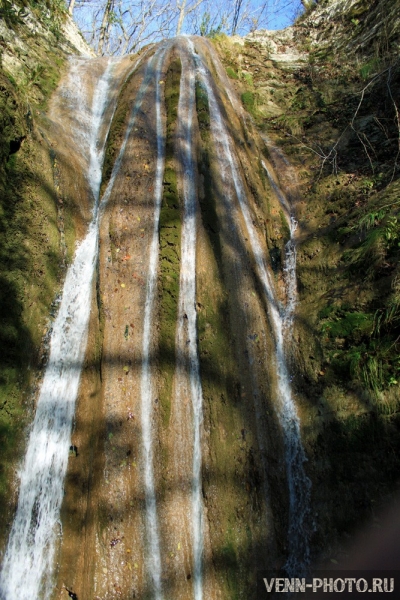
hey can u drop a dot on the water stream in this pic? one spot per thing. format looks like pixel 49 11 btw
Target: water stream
pixel 28 562
pixel 187 317
pixel 290 254
pixel 154 557
pixel 298 482
pixel 27 570
pixel 28 565
pixel 152 75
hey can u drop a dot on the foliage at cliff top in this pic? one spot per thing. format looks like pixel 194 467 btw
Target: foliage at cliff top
pixel 12 11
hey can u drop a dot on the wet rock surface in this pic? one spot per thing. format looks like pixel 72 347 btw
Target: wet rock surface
pixel 328 128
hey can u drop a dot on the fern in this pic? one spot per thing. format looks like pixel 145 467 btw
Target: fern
pixel 371 219
pixel 372 374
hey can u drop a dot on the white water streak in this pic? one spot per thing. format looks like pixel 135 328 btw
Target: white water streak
pixel 290 256
pixel 97 148
pixel 28 564
pixel 152 74
pixel 290 280
pixel 154 558
pixel 278 192
pixel 187 316
pixel 149 74
pixel 299 484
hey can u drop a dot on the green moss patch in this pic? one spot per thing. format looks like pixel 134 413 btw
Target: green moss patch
pixel 231 73
pixel 33 227
pixel 248 101
pixel 203 113
pixel 31 265
pixel 170 248
pixel 116 132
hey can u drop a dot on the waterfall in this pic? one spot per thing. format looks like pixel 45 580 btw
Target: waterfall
pixel 28 563
pixel 290 278
pixel 187 317
pixel 152 74
pixel 28 566
pixel 154 558
pixel 298 482
pixel 135 109
pixel 290 253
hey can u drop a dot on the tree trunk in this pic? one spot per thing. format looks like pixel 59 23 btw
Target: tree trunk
pixel 236 14
pixel 181 17
pixel 71 7
pixel 104 25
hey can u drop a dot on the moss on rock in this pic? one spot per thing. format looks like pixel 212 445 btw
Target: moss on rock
pixel 170 239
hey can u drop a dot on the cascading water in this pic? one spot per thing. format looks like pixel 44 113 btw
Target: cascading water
pixel 299 484
pixel 154 559
pixel 290 278
pixel 28 563
pixel 149 74
pixel 187 317
pixel 290 254
pixel 278 192
pixel 152 74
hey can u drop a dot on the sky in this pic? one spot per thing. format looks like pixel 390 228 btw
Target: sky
pixel 281 13
pixel 284 13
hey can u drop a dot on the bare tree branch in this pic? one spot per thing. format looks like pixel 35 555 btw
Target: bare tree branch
pixel 183 11
pixel 396 110
pixel 71 6
pixel 122 26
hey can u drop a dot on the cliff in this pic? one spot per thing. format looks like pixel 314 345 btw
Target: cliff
pixel 326 92
pixel 37 231
pixel 315 130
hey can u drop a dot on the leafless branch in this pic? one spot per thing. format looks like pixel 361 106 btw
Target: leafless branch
pixel 396 110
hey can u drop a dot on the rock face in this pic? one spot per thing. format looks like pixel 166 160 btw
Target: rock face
pixel 279 46
pixel 39 222
pixel 208 379
pixel 25 60
pixel 183 427
pixel 324 114
pixel 190 385
pixel 354 26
